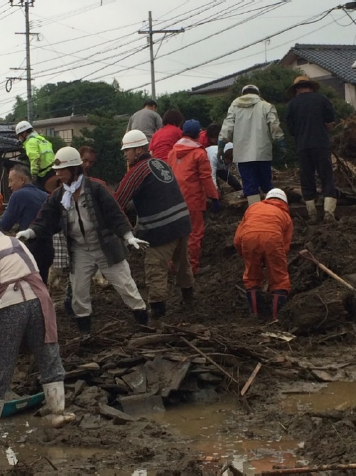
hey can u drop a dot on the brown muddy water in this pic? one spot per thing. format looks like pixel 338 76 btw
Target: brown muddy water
pixel 206 430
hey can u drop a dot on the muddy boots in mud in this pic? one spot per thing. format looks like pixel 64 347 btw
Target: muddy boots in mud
pixel 84 325
pixel 312 212
pixel 280 297
pixel 253 299
pixel 187 298
pixel 329 209
pixel 55 400
pixel 140 316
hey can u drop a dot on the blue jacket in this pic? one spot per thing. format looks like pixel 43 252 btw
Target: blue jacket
pixel 23 207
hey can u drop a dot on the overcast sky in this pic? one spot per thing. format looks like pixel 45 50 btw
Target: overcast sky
pixel 79 39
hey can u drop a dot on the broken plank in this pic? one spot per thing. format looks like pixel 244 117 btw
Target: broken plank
pixel 142 404
pixel 251 379
pixel 152 340
pixel 118 416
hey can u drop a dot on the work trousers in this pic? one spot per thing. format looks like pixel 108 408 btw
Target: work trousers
pixel 85 263
pixel 256 176
pixel 318 161
pixel 43 252
pixel 157 261
pixel 267 249
pixel 195 238
pixel 24 321
pixel 229 178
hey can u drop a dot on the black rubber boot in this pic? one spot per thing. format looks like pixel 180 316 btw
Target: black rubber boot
pixel 252 299
pixel 84 325
pixel 188 296
pixel 158 309
pixel 68 300
pixel 141 316
pixel 280 297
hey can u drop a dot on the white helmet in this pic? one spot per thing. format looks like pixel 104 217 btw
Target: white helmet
pixel 134 138
pixel 22 127
pixel 277 193
pixel 66 157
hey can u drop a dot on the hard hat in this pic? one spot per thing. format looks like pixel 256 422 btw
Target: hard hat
pixel 228 146
pixel 66 157
pixel 277 193
pixel 250 86
pixel 134 138
pixel 22 127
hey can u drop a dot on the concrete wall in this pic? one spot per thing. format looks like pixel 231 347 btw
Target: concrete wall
pixel 350 94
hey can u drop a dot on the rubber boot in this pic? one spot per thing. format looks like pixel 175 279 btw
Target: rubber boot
pixel 280 297
pixel 188 296
pixel 68 300
pixel 84 325
pixel 158 309
pixel 329 209
pixel 312 212
pixel 141 316
pixel 251 295
pixel 55 400
pixel 251 199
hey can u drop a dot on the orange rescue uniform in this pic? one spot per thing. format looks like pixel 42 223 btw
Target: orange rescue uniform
pixel 192 169
pixel 264 237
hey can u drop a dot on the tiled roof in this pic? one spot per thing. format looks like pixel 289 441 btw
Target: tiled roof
pixel 228 81
pixel 8 140
pixel 337 59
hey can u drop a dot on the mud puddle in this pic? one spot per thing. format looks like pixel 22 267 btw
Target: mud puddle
pixel 331 396
pixel 204 428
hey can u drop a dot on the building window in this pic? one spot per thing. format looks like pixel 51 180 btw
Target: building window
pixel 50 132
pixel 66 135
pixel 301 61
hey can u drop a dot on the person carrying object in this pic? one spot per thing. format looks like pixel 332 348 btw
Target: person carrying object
pixel 221 168
pixel 263 238
pixel 96 229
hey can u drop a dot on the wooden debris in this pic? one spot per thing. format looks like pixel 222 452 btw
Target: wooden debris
pixel 251 379
pixel 141 404
pixel 316 469
pixel 210 360
pixel 136 381
pixel 152 339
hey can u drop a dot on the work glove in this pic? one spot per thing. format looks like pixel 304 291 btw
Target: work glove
pixel 221 146
pixel 131 240
pixel 28 234
pixel 216 205
pixel 282 147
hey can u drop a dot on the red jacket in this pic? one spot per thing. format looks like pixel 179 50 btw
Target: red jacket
pixel 268 218
pixel 204 139
pixel 192 170
pixel 163 140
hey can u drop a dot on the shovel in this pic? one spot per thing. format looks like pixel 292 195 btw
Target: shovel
pixel 307 255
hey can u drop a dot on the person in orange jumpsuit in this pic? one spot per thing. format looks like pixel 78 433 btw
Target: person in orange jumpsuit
pixel 192 169
pixel 263 238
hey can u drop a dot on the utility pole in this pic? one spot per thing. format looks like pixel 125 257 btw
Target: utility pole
pixel 150 32
pixel 27 4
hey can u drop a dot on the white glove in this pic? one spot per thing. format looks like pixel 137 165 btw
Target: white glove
pixel 131 240
pixel 28 234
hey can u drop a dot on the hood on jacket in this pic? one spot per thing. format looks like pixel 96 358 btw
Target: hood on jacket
pixel 277 203
pixel 186 145
pixel 247 100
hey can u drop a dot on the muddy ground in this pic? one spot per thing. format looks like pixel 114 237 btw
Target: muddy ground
pixel 320 314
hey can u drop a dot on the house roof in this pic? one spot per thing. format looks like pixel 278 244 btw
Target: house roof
pixel 228 81
pixel 337 59
pixel 8 140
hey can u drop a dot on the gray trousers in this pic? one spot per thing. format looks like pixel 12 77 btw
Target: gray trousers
pixel 85 263
pixel 25 321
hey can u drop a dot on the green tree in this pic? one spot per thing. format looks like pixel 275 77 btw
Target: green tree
pixel 105 138
pixel 191 106
pixel 57 142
